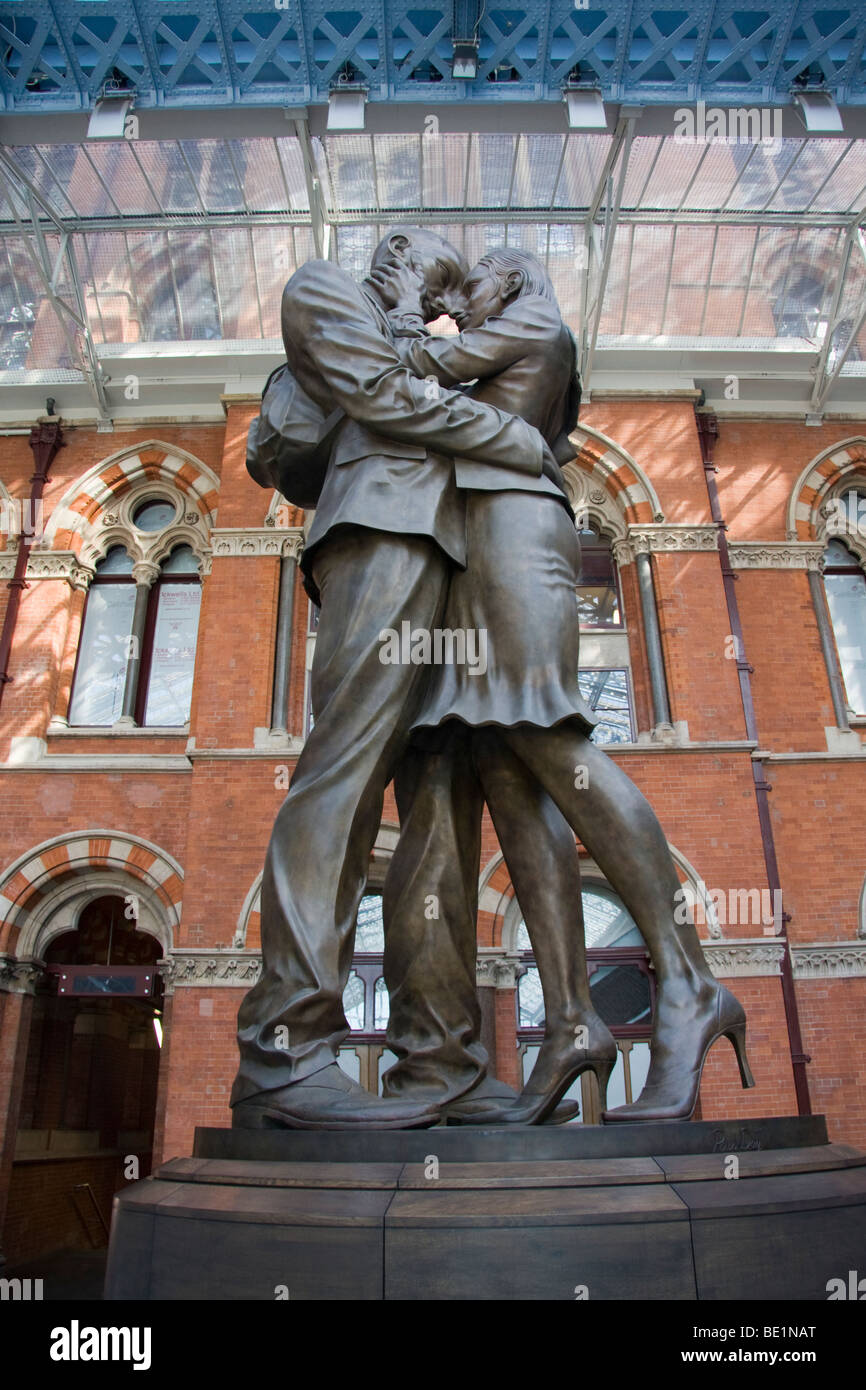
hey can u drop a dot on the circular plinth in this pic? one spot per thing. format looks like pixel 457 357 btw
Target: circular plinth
pixel 758 1209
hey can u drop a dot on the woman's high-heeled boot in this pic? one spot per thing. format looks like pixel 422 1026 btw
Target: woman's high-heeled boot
pixel 589 1046
pixel 679 1050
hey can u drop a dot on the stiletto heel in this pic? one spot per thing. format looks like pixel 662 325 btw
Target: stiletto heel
pixel 737 1038
pixel 674 1080
pixel 603 1071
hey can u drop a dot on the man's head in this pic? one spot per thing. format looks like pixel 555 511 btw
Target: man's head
pixel 439 265
pixel 497 279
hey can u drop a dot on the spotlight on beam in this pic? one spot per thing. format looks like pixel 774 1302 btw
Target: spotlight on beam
pixel 585 107
pixel 819 111
pixel 464 64
pixel 108 117
pixel 346 103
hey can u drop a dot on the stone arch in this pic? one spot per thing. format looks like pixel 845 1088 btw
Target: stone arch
pixel 804 521
pixel 861 913
pixel 497 898
pixel 604 480
pixel 86 519
pixel 248 930
pixel 43 892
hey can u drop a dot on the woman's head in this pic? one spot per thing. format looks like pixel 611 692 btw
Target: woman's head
pixel 498 278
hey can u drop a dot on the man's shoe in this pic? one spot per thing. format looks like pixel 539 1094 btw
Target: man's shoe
pixel 330 1100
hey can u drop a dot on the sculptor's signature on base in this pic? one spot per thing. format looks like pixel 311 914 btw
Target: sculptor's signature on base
pixel 741 1141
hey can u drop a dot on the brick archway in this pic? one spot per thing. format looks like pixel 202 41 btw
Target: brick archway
pixel 602 471
pixel 86 506
pixel 33 887
pixel 804 522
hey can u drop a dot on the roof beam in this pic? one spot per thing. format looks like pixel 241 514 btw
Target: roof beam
pixel 592 318
pixel 318 212
pixel 824 380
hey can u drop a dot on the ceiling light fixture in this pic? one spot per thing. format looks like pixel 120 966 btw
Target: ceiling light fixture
pixel 464 64
pixel 346 106
pixel 821 115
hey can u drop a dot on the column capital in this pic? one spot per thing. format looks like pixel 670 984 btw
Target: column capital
pixel 20 976
pixel 496 967
pixel 146 573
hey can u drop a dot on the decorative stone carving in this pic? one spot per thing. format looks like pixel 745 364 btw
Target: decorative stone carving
pixel 50 564
pixel 495 967
pixel 837 960
pixel 741 958
pixel 20 976
pixel 211 968
pixel 776 555
pixel 145 573
pixel 235 541
pixel 655 539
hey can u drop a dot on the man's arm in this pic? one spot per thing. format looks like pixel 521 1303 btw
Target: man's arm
pixel 325 312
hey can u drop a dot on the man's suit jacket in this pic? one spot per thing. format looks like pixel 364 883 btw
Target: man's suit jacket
pixel 524 359
pixel 384 471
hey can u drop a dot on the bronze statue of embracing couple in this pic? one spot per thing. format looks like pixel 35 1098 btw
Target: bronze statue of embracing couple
pixel 441 506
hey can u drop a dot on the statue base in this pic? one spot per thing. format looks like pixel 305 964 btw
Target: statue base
pixel 737 1209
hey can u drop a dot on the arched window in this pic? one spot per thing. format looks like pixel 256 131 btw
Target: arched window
pixel 168 655
pixel 137 648
pixel 104 647
pixel 598 596
pixel 622 987
pixel 845 585
pixel 605 677
pixel 365 999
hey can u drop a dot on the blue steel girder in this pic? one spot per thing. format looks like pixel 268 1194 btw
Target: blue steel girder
pixel 55 55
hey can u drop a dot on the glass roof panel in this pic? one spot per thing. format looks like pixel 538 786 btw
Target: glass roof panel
pixel 398 170
pixel 37 163
pixel 763 174
pixel 804 182
pixel 235 277
pixel 117 166
pixel 845 189
pixel 258 166
pixel 714 181
pixel 217 180
pixel 581 169
pixel 77 179
pixel 538 162
pixel 644 151
pixel 492 169
pixel 164 164
pixel 277 252
pixel 353 177
pixel 672 173
pixel 443 159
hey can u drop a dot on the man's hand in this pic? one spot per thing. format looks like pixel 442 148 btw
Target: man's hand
pixel 400 287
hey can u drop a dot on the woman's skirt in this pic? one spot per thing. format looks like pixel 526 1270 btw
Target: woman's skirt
pixel 516 608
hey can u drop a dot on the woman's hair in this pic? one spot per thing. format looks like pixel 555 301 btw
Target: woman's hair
pixel 535 278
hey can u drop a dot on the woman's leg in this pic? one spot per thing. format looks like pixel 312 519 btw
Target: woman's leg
pixel 622 833
pixel 539 849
